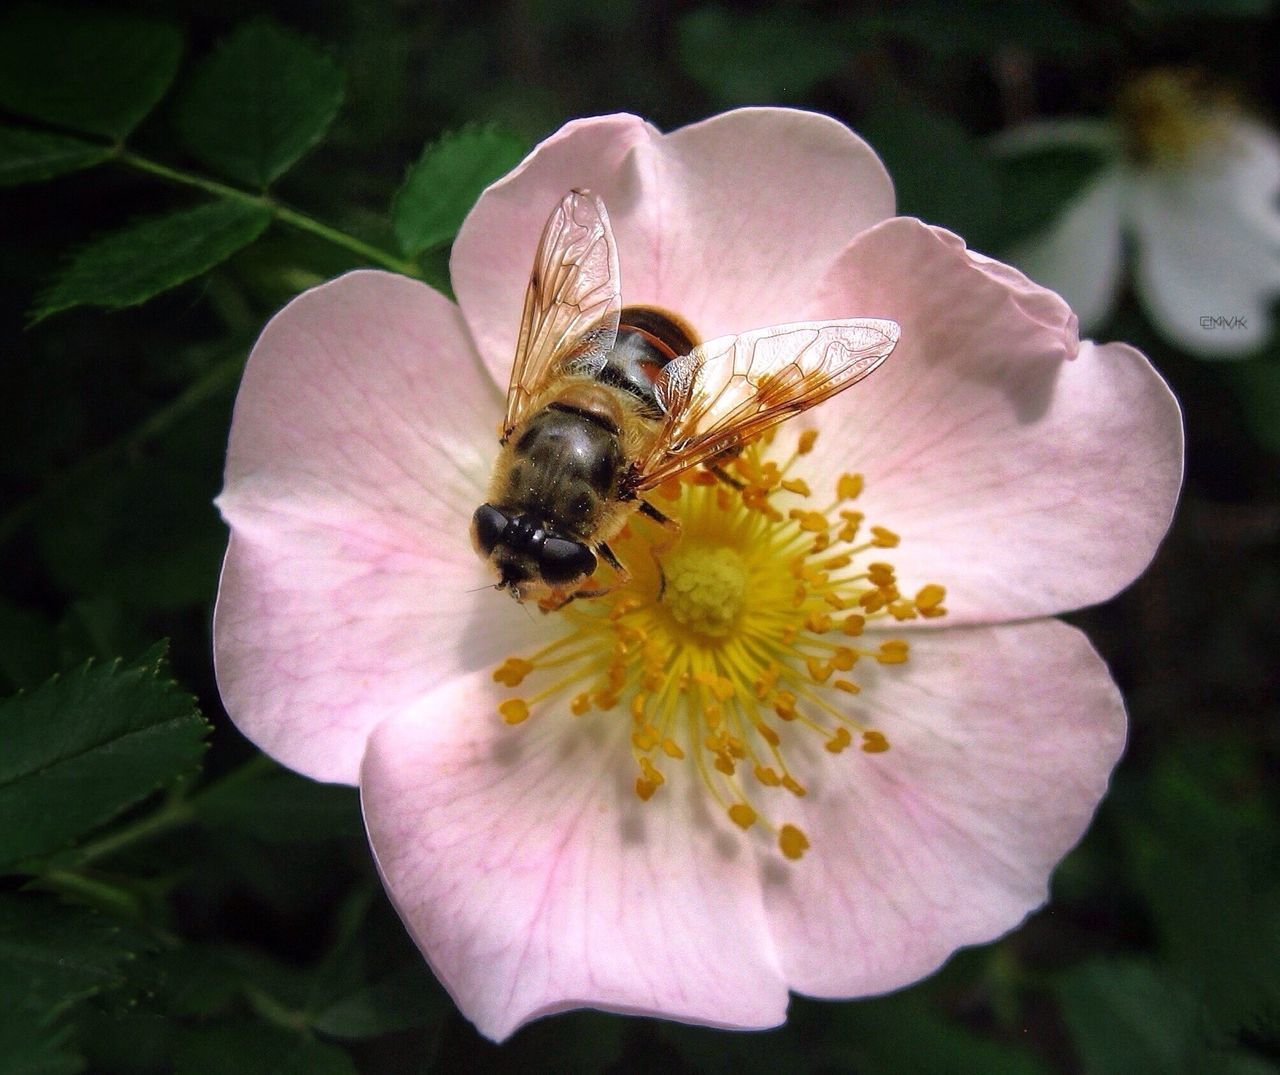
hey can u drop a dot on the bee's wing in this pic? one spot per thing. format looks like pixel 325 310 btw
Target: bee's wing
pixel 726 391
pixel 571 307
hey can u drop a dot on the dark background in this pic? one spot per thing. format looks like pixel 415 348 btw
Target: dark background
pixel 257 934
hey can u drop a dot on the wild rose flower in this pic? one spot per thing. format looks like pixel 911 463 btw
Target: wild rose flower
pixel 844 742
pixel 1191 184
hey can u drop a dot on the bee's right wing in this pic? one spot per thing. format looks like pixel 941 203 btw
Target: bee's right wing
pixel 571 307
pixel 726 391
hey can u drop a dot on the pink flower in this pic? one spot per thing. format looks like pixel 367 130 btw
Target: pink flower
pixel 640 842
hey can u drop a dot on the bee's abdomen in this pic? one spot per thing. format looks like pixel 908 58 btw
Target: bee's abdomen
pixel 567 464
pixel 648 339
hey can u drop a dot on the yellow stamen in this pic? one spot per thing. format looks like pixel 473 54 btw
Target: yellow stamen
pixel 732 643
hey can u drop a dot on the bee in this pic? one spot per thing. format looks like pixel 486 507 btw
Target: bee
pixel 606 402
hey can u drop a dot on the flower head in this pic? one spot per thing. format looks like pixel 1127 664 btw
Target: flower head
pixel 823 736
pixel 1191 184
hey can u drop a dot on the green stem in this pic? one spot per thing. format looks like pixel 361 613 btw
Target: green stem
pixel 174 814
pixel 282 213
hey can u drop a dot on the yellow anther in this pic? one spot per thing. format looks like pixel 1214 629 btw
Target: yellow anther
pixel 819 671
pixel 874 742
pixel 651 773
pixel 853 625
pixel 835 563
pixel 784 704
pixel 873 600
pixel 902 611
pixel 930 596
pixel 807 440
pixel 934 612
pixel 814 522
pixel 671 748
pixel 645 738
pixel 767 733
pixel 767 776
pixel 884 539
pixel 645 788
pixel 795 787
pixel 512 671
pixel 514 710
pixel 638 703
pixel 847 686
pixel 742 815
pixel 725 764
pixel 893 652
pixel 840 740
pixel 843 658
pixel 818 622
pixel 849 486
pixel 821 542
pixel 792 842
pixel 797 486
pixel 581 704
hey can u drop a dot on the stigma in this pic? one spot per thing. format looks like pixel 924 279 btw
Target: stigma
pixel 737 641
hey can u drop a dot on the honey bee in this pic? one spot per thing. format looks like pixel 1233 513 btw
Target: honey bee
pixel 607 401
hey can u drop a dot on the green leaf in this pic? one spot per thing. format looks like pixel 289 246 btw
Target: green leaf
pixel 1036 185
pixel 257 1049
pixel 29 1048
pixel 87 745
pixel 1124 1017
pixel 86 69
pixel 30 156
pixel 259 102
pixel 444 184
pixel 53 956
pixel 144 259
pixel 920 147
pixel 742 59
pixel 403 999
pixel 905 1035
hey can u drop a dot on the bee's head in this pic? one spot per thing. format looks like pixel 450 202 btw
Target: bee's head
pixel 529 558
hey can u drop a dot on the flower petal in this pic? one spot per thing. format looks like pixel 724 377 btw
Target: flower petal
pixel 1208 244
pixel 359 447
pixel 534 880
pixel 1001 743
pixel 729 222
pixel 1025 483
pixel 1078 256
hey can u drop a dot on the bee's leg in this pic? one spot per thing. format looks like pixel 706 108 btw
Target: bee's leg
pixel 606 554
pixel 724 475
pixel 653 513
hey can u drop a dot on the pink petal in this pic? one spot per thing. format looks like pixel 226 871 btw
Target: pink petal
pixel 361 442
pixel 1025 483
pixel 1001 743
pixel 534 880
pixel 729 222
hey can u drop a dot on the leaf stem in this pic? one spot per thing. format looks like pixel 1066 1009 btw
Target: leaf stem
pixel 281 212
pixel 173 814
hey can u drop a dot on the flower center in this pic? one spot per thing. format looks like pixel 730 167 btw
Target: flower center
pixel 732 647
pixel 1168 114
pixel 704 589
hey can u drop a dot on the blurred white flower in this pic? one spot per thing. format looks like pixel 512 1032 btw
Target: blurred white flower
pixel 1188 196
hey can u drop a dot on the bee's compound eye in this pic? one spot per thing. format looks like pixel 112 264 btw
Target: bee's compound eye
pixel 561 560
pixel 487 525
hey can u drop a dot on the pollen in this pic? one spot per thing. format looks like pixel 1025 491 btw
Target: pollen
pixel 739 653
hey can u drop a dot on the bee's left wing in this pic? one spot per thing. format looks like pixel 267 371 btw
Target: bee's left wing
pixel 572 303
pixel 726 391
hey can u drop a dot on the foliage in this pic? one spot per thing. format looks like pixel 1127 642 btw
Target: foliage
pixel 173 902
